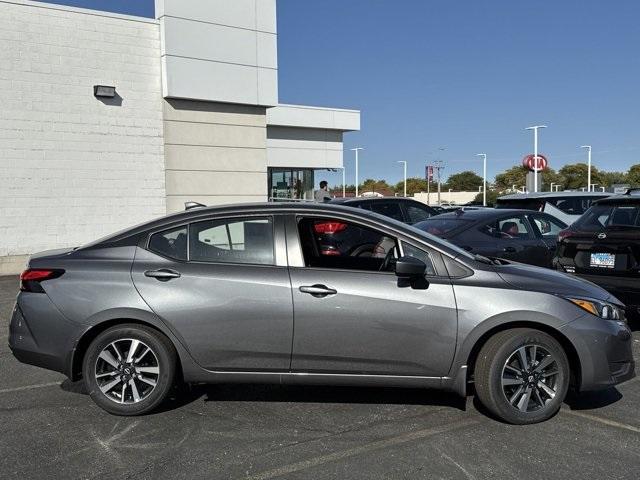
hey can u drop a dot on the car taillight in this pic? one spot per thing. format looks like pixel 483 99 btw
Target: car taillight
pixel 30 279
pixel 564 234
pixel 329 227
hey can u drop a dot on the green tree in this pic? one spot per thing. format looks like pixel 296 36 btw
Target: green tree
pixel 574 177
pixel 492 195
pixel 518 176
pixel 612 178
pixel 633 176
pixel 414 185
pixel 466 181
pixel 372 185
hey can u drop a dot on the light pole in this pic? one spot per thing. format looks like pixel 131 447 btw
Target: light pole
pixel 438 167
pixel 484 177
pixel 535 154
pixel 404 163
pixel 344 191
pixel 588 147
pixel 357 149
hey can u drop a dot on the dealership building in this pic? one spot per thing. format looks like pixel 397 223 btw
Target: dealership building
pixel 110 120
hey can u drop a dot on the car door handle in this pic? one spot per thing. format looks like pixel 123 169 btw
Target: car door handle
pixel 318 291
pixel 162 274
pixel 509 249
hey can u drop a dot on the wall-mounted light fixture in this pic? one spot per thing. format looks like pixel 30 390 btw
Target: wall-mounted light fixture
pixel 104 91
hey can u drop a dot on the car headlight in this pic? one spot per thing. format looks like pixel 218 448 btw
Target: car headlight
pixel 601 309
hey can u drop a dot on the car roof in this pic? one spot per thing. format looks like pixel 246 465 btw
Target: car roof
pixel 202 213
pixel 619 200
pixel 524 196
pixel 481 214
pixel 372 199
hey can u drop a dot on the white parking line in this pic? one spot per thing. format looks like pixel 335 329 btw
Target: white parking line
pixel 29 387
pixel 389 442
pixel 611 423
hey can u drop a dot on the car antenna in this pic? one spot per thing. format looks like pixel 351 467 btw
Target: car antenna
pixel 190 205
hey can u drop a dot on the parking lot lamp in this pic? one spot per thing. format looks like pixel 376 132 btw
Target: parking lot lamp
pixel 357 149
pixel 588 147
pixel 535 129
pixel 484 177
pixel 404 163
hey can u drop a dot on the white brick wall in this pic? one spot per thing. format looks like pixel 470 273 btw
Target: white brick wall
pixel 71 167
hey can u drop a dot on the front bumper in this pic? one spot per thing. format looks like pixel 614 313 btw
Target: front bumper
pixel 604 348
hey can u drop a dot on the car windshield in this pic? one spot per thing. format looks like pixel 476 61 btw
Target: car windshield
pixel 609 216
pixel 441 226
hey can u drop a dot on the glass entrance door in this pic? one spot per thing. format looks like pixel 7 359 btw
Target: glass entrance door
pixel 290 184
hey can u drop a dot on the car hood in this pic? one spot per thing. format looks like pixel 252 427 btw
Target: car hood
pixel 538 279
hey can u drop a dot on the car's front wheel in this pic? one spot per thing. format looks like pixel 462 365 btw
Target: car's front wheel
pixel 129 369
pixel 522 375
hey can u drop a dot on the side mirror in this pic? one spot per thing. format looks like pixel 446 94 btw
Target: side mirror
pixel 410 267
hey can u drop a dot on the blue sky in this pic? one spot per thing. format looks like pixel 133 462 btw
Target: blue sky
pixel 466 75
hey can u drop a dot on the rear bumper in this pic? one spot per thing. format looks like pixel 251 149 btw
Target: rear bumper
pixel 604 349
pixel 40 335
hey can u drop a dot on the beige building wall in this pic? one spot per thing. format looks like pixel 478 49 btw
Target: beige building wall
pixel 215 153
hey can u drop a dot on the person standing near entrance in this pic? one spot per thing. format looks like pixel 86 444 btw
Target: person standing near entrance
pixel 322 195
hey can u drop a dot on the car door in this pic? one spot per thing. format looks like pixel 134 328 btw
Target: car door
pixel 223 286
pixel 351 314
pixel 512 238
pixel 546 228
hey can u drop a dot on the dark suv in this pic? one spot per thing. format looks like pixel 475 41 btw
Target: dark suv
pixel 402 209
pixel 603 246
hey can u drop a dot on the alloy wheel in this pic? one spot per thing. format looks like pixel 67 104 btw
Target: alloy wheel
pixel 127 371
pixel 530 378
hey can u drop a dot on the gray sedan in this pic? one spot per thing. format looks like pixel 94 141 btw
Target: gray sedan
pixel 312 294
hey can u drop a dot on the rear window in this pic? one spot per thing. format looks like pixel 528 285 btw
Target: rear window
pixel 441 226
pixel 572 205
pixel 609 216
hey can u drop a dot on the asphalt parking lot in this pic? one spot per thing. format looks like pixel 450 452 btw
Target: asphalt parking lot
pixel 50 429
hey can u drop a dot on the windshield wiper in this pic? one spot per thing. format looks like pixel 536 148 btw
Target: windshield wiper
pixel 483 259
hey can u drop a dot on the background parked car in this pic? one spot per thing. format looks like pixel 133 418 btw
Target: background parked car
pixel 603 246
pixel 518 235
pixel 565 206
pixel 402 209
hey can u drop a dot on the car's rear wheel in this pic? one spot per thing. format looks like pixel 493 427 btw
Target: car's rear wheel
pixel 522 375
pixel 129 369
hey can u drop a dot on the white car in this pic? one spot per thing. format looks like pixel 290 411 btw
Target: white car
pixel 565 206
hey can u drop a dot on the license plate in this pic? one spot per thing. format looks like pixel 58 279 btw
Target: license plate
pixel 603 260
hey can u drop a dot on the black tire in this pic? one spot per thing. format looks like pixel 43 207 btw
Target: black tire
pixel 491 368
pixel 162 355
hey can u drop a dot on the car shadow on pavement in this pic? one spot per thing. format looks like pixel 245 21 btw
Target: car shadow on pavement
pixel 593 400
pixel 314 394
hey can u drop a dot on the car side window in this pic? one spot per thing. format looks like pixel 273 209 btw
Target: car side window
pixel 507 228
pixel 337 244
pixel 415 213
pixel 409 250
pixel 170 243
pixel 388 209
pixel 547 226
pixel 246 240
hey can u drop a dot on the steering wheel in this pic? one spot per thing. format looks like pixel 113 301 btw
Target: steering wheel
pixel 387 260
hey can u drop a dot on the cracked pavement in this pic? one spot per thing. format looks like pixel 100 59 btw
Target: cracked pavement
pixel 50 429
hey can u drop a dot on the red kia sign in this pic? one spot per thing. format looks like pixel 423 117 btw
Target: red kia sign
pixel 533 163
